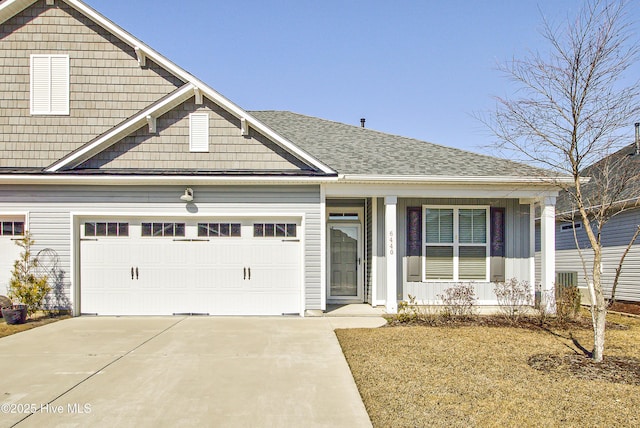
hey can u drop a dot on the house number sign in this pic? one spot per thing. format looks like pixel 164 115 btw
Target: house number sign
pixel 391 243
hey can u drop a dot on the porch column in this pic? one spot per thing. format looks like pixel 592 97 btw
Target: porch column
pixel 548 252
pixel 390 233
pixel 532 249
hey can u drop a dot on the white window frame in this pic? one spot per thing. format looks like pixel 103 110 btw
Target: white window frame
pixel 58 83
pixel 198 145
pixel 456 242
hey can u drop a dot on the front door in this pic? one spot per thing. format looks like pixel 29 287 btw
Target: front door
pixel 345 263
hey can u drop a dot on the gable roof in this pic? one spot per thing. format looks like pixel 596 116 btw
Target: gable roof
pixel 330 148
pixel 360 152
pixel 9 8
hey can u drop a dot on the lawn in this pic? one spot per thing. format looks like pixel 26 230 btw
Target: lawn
pixel 416 376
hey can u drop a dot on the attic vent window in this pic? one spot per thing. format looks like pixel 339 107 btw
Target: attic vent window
pixel 50 84
pixel 569 227
pixel 199 132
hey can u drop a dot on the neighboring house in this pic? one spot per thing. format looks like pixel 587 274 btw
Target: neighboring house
pixel 154 194
pixel 616 234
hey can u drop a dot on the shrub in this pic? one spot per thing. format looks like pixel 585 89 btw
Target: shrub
pixel 515 298
pixel 26 286
pixel 412 312
pixel 567 302
pixel 459 301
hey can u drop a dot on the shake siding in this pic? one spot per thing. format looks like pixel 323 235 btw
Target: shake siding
pixel 516 248
pixel 106 84
pixel 168 148
pixel 49 214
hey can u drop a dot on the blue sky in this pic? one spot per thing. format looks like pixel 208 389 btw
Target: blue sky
pixel 417 68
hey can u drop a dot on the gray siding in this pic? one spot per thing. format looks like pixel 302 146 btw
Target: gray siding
pixel 517 248
pixel 106 84
pixel 50 211
pixel 380 256
pixel 615 237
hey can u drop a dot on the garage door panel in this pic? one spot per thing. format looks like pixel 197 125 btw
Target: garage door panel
pixel 191 274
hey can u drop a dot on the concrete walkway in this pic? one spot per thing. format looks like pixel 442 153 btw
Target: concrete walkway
pixel 180 371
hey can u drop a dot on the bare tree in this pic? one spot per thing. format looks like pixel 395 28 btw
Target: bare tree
pixel 572 105
pixel 614 188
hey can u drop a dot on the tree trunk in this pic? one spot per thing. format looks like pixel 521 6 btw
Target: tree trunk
pixel 598 308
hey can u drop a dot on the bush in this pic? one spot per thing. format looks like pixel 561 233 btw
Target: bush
pixel 567 302
pixel 459 301
pixel 412 312
pixel 515 298
pixel 25 286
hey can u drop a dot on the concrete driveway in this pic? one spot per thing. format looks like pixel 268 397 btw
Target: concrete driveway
pixel 180 371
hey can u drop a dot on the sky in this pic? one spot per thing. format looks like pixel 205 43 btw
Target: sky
pixel 416 68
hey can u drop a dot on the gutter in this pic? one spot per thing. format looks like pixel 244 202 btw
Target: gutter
pixel 148 180
pixel 499 180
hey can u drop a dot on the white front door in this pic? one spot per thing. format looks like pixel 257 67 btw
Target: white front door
pixel 345 263
pixel 192 267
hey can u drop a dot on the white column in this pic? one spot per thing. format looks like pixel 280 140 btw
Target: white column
pixel 532 249
pixel 390 233
pixel 323 248
pixel 548 251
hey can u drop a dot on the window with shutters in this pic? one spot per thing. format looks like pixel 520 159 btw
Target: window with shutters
pixel 50 84
pixel 199 132
pixel 456 243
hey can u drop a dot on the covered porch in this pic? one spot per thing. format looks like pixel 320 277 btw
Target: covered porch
pixel 417 240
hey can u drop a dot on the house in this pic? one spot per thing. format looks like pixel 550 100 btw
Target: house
pixel 148 192
pixel 624 168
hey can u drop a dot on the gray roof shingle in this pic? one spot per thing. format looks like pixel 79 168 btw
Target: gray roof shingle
pixel 355 150
pixel 615 178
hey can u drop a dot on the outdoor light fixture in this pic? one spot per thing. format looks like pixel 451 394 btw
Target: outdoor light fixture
pixel 188 195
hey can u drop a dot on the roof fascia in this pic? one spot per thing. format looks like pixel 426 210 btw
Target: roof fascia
pixel 212 94
pixel 10 8
pixel 488 180
pixel 127 127
pixel 134 180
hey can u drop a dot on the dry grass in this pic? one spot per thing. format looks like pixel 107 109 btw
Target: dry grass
pixel 36 321
pixel 481 376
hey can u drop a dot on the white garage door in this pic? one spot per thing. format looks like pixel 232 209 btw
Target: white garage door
pixel 161 267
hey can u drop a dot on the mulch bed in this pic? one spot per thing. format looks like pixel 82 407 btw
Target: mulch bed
pixel 626 307
pixel 527 322
pixel 614 369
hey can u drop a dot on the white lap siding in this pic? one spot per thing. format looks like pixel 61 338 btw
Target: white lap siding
pixel 50 215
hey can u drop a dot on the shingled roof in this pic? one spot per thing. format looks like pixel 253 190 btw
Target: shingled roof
pixel 354 150
pixel 616 176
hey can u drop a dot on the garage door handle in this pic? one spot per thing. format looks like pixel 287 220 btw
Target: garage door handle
pixel 245 273
pixel 136 273
pixel 131 272
pixel 249 269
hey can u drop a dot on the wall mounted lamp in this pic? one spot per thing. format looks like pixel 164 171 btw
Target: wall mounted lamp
pixel 188 195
